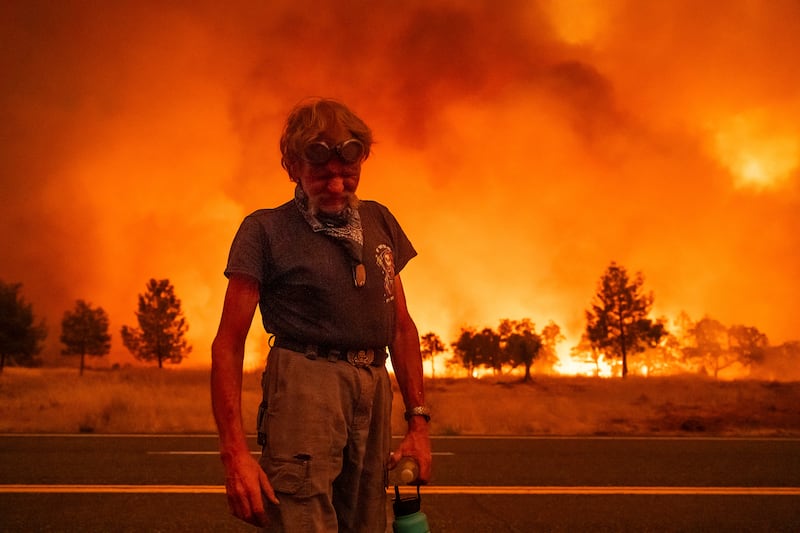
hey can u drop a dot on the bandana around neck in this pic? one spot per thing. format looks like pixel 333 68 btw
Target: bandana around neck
pixel 344 227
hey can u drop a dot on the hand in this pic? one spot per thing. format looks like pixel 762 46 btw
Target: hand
pixel 416 444
pixel 245 483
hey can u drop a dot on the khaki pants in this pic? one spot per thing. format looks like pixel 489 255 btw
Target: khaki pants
pixel 328 441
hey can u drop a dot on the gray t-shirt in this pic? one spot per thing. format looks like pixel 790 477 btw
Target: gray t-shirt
pixel 306 278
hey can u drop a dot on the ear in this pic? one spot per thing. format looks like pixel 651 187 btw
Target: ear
pixel 292 169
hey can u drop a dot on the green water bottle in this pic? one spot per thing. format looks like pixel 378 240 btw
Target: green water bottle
pixel 408 518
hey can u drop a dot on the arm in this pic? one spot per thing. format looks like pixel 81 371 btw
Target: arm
pixel 245 481
pixel 407 364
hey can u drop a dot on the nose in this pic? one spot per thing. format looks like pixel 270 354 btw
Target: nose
pixel 335 184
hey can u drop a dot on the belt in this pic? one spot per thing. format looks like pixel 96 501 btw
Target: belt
pixel 356 357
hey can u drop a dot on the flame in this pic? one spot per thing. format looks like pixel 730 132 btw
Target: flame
pixel 580 364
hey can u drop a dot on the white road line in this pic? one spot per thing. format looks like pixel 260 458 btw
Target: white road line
pixel 112 489
pixel 254 452
pixel 663 491
pixel 175 452
pixel 508 490
pixel 687 438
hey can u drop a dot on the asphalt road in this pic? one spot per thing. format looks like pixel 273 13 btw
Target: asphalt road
pixel 173 483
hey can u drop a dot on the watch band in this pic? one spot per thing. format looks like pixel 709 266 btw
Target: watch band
pixel 419 410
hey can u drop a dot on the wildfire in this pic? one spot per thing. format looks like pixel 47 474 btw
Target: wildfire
pixel 522 146
pixel 580 364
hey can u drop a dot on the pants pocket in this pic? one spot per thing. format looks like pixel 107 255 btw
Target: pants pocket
pixel 289 476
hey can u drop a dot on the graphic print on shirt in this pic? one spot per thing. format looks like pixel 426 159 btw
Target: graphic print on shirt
pixel 385 260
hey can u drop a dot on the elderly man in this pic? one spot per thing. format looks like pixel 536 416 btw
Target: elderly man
pixel 324 270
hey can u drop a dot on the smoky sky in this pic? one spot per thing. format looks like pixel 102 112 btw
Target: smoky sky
pixel 522 145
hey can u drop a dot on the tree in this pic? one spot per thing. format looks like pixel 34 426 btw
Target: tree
pixel 488 350
pixel 710 345
pixel 20 338
pixel 522 343
pixel 84 331
pixel 717 347
pixel 162 326
pixel 584 351
pixel 667 357
pixel 551 335
pixel 617 323
pixel 749 344
pixel 465 350
pixel 681 340
pixel 431 345
pixel 478 349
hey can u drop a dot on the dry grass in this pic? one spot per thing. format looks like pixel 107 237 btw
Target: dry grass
pixel 634 406
pixel 139 400
pixel 148 400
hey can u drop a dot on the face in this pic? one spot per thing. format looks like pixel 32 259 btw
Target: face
pixel 330 187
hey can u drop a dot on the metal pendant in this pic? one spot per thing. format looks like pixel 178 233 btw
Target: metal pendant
pixel 359 275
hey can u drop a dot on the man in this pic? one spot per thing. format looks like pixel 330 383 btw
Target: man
pixel 324 270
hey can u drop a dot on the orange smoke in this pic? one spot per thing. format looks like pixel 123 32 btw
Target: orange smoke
pixel 523 146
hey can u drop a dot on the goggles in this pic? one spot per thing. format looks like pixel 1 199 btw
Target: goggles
pixel 319 153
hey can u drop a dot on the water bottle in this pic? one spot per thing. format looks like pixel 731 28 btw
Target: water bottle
pixel 408 518
pixel 405 471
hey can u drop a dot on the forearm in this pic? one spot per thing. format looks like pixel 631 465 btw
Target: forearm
pixel 407 364
pixel 226 396
pixel 227 356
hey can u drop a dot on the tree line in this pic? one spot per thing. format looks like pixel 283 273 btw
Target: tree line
pixel 618 328
pixel 159 336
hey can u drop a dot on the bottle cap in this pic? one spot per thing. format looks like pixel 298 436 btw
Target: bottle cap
pixel 405 472
pixel 407 475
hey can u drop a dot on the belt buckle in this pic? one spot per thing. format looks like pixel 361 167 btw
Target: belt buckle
pixel 360 358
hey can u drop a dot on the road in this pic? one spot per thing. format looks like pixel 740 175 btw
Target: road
pixel 515 484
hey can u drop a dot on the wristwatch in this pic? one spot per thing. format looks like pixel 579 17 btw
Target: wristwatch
pixel 419 410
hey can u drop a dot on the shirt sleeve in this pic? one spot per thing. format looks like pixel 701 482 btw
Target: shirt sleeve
pixel 403 249
pixel 248 251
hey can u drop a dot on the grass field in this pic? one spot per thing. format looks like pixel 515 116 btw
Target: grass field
pixel 149 400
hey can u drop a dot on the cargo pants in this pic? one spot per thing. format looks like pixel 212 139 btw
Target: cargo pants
pixel 327 440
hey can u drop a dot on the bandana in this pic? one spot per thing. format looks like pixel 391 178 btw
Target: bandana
pixel 344 227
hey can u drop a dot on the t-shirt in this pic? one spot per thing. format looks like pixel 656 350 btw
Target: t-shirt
pixel 307 290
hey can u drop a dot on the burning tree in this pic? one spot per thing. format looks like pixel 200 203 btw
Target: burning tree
pixel 617 323
pixel 548 357
pixel 710 345
pixel 717 347
pixel 84 331
pixel 20 338
pixel 430 346
pixel 162 326
pixel 748 343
